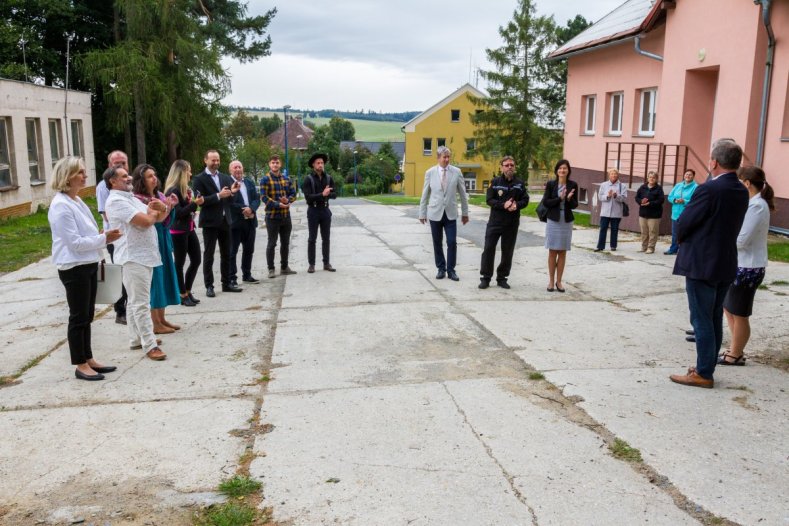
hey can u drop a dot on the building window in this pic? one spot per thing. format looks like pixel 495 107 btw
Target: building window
pixel 455 115
pixel 470 180
pixel 590 105
pixel 6 174
pixel 427 146
pixel 55 140
pixel 583 196
pixel 646 119
pixel 77 144
pixel 615 120
pixel 441 141
pixel 471 145
pixel 32 127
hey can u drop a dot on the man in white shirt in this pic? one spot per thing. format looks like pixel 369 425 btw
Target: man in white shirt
pixel 115 158
pixel 138 251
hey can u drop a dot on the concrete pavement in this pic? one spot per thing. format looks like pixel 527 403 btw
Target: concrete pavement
pixel 395 398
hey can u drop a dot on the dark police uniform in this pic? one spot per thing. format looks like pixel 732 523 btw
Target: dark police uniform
pixel 502 224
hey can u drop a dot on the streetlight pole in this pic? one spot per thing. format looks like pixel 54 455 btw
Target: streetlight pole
pixel 354 173
pixel 285 111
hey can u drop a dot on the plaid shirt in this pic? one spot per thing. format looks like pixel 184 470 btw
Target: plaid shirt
pixel 272 188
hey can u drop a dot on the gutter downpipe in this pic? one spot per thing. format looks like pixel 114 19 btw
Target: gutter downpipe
pixel 768 74
pixel 637 45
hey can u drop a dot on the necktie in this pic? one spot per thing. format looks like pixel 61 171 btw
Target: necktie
pixel 444 179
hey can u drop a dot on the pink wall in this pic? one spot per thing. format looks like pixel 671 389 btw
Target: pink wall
pixel 776 152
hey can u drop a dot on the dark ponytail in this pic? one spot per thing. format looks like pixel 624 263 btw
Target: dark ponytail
pixel 755 176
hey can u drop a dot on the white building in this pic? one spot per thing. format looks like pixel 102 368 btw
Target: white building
pixel 38 127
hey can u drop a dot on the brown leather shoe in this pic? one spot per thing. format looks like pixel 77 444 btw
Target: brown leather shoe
pixel 156 354
pixel 329 268
pixel 692 379
pixel 311 269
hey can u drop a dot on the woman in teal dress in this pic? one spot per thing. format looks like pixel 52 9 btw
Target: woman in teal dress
pixel 164 285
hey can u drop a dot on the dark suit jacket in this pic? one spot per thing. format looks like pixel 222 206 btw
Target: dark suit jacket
pixel 214 209
pixel 707 230
pixel 238 218
pixel 183 211
pixel 552 202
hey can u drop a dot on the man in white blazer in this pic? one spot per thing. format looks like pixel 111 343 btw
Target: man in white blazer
pixel 443 184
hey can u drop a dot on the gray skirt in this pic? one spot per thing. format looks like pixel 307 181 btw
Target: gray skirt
pixel 558 235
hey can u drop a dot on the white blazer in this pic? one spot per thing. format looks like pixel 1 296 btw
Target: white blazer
pixel 435 201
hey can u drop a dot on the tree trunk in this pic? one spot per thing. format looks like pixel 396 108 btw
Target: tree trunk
pixel 127 140
pixel 172 147
pixel 139 125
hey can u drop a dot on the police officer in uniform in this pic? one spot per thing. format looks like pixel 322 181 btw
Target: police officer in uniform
pixel 506 197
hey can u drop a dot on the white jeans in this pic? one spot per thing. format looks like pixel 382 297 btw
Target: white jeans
pixel 137 280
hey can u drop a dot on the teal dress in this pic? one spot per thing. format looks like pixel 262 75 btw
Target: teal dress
pixel 164 285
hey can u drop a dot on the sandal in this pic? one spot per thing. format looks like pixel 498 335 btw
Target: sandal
pixel 739 360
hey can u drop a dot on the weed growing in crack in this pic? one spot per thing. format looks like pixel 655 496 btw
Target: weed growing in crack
pixel 227 514
pixel 239 486
pixel 623 451
pixel 536 375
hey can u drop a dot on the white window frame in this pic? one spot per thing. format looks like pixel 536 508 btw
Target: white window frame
pixel 427 151
pixel 57 137
pixel 590 110
pixel 470 180
pixel 615 119
pixel 6 153
pixel 647 129
pixel 77 144
pixel 34 160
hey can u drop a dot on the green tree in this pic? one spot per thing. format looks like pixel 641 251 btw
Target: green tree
pixel 378 170
pixel 323 141
pixel 341 129
pixel 522 88
pixel 254 154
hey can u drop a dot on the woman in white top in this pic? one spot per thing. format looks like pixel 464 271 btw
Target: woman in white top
pixel 751 263
pixel 76 250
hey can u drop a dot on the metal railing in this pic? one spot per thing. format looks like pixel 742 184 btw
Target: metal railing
pixel 636 159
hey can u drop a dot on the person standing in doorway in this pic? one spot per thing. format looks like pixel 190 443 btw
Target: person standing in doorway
pixel 318 188
pixel 443 184
pixel 243 228
pixel 506 197
pixel 277 192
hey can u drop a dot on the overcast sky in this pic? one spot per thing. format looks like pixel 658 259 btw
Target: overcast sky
pixel 380 55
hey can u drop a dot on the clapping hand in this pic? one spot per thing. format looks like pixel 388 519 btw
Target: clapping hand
pixel 326 191
pixel 199 200
pixel 172 200
pixel 112 235
pixel 570 195
pixel 644 202
pixel 157 206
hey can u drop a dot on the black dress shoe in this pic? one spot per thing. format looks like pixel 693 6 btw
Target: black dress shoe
pixel 441 274
pixel 451 274
pixel 194 300
pixel 105 369
pixel 250 279
pixel 186 301
pixel 329 268
pixel 231 288
pixel 209 291
pixel 690 332
pixel 691 339
pixel 89 377
pixel 120 319
pixel 484 283
pixel 503 284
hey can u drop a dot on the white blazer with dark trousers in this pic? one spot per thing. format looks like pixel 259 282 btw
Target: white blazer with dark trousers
pixel 436 201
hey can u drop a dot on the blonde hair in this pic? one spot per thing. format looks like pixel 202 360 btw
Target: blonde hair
pixel 652 172
pixel 610 170
pixel 64 170
pixel 177 177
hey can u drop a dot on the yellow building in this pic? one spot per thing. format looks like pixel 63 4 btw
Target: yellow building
pixel 447 123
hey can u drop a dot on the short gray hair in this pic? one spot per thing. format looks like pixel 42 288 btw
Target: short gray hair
pixel 441 150
pixel 727 153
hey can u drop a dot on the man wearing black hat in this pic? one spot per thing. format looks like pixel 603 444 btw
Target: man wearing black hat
pixel 318 188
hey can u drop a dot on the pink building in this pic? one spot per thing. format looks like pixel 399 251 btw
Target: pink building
pixel 653 83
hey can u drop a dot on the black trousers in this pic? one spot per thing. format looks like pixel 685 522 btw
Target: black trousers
pixel 318 218
pixel 243 235
pixel 80 283
pixel 213 236
pixel 278 228
pixel 508 233
pixel 184 245
pixel 120 305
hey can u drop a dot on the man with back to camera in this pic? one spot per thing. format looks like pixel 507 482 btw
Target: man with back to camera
pixel 318 188
pixel 243 227
pixel 114 159
pixel 217 190
pixel 443 183
pixel 707 234
pixel 506 197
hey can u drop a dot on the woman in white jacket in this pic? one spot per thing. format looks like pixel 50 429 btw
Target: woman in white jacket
pixel 751 263
pixel 76 250
pixel 612 195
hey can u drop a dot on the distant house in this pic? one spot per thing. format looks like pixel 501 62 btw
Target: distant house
pixel 653 83
pixel 446 123
pixel 299 135
pixel 374 146
pixel 34 134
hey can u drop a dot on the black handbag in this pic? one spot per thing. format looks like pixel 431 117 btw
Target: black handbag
pixel 625 207
pixel 542 211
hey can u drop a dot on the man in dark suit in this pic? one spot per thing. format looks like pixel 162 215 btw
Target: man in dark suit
pixel 217 190
pixel 707 233
pixel 244 224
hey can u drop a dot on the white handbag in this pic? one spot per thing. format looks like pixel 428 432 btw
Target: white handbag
pixel 110 283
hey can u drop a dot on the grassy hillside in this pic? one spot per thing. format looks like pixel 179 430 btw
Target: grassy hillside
pixel 365 130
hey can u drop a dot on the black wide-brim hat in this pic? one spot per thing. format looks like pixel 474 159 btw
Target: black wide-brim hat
pixel 316 156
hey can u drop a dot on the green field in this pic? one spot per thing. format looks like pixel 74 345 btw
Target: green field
pixel 365 130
